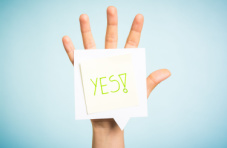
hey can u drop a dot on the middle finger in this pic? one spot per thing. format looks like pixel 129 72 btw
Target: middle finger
pixel 112 30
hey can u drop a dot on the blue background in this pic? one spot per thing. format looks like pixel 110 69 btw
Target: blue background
pixel 36 79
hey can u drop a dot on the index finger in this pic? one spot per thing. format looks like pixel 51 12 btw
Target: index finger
pixel 135 33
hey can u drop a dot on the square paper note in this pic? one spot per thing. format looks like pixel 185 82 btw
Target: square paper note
pixel 109 83
pixel 121 115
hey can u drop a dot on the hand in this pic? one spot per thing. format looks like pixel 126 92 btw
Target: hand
pixel 106 132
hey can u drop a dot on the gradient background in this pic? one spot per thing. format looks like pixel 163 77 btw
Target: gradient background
pixel 36 80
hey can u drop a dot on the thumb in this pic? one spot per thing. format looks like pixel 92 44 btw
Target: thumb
pixel 155 78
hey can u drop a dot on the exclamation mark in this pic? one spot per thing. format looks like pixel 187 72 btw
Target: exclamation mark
pixel 125 90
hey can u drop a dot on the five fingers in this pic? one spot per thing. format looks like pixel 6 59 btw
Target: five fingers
pixel 111 41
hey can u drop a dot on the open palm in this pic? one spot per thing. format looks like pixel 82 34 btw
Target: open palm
pixel 111 40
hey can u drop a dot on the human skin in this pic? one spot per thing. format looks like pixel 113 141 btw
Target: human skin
pixel 106 132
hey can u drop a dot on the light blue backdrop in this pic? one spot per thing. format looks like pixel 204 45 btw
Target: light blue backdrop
pixel 36 80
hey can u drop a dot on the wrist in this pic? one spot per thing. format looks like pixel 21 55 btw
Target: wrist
pixel 107 129
pixel 107 134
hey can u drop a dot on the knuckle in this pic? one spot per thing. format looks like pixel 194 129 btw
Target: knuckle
pixel 152 80
pixel 132 43
pixel 111 38
pixel 90 45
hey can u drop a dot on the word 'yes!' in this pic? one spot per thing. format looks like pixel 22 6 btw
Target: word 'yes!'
pixel 111 79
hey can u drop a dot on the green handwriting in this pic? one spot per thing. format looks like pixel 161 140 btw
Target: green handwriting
pixel 122 78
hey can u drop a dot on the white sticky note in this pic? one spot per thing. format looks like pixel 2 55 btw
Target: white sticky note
pixel 123 114
pixel 109 83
